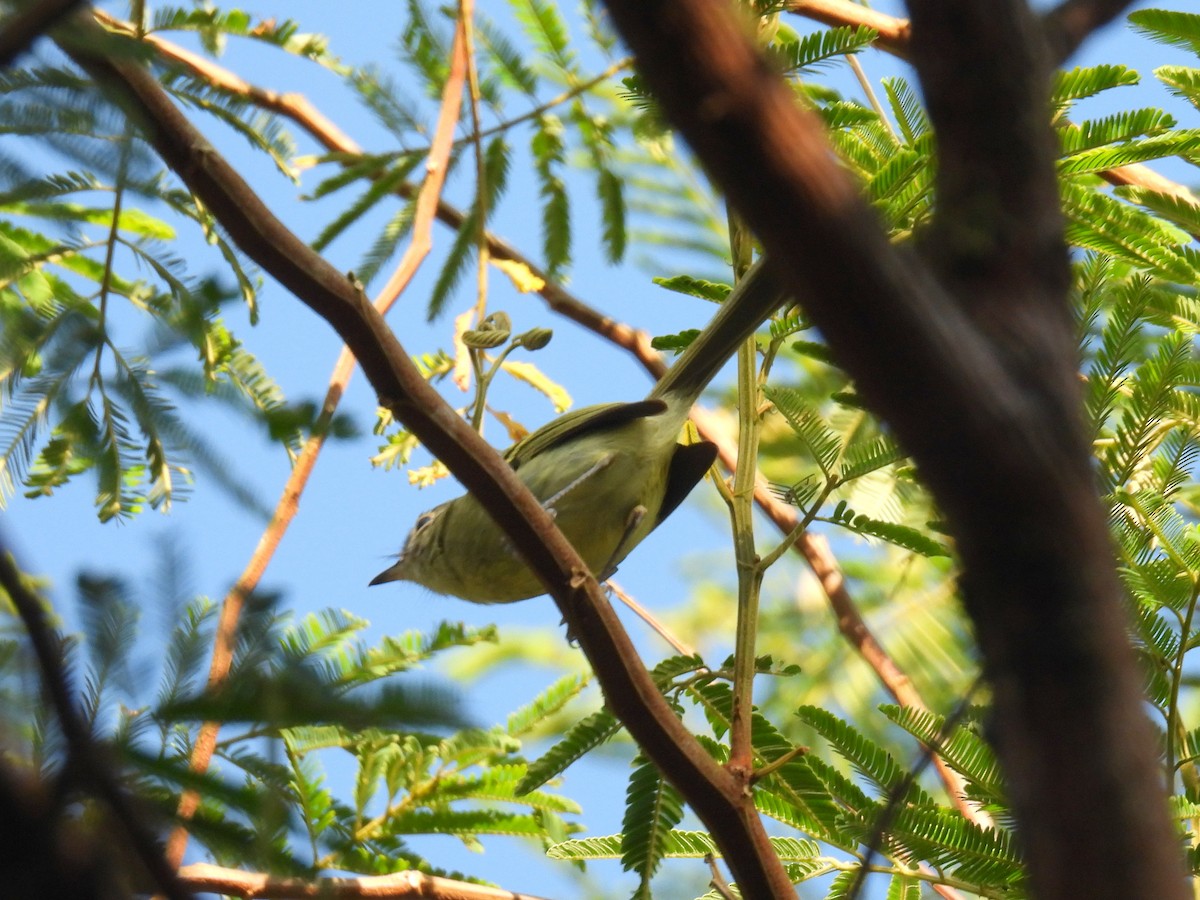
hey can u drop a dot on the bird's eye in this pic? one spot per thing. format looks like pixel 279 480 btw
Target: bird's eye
pixel 424 519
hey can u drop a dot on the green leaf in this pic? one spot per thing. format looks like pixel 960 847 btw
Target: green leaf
pixel 1176 143
pixel 1181 81
pixel 867 758
pixel 464 823
pixel 580 738
pixel 906 107
pixel 652 809
pixel 1100 223
pixel 1174 208
pixel 944 839
pixel 808 425
pixel 695 287
pixel 675 343
pixel 608 847
pixel 214 26
pixel 1123 126
pixel 962 750
pixel 381 187
pixel 1176 29
pixel 546 704
pixel 549 155
pixel 545 26
pixel 820 47
pixel 507 58
pixel 611 193
pixel 425 48
pixel 1088 81
pixel 131 220
pixel 904 887
pixel 892 532
pixel 863 459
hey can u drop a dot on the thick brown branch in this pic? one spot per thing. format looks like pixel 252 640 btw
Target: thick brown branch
pixel 894 33
pixel 21 29
pixel 1070 23
pixel 990 413
pixel 714 794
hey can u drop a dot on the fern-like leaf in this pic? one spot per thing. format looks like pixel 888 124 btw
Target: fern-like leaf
pixel 1082 82
pixel 867 758
pixel 807 423
pixel 585 735
pixel 546 704
pixel 652 809
pixel 821 47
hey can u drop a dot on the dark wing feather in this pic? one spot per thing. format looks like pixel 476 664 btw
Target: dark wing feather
pixel 688 466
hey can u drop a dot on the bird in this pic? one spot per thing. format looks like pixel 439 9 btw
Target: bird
pixel 609 474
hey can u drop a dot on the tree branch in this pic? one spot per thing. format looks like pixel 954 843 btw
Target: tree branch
pixel 713 793
pixel 814 550
pixel 257 886
pixel 22 28
pixel 893 33
pixel 987 404
pixel 1070 23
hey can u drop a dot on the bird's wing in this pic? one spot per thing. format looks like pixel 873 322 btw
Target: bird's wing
pixel 577 423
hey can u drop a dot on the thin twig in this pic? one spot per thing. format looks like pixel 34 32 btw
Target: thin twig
pixel 817 553
pixel 741 509
pixel 225 638
pixel 435 175
pixel 466 16
pixel 648 617
pixel 717 881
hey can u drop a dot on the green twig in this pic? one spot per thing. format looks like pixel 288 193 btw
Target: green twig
pixel 742 510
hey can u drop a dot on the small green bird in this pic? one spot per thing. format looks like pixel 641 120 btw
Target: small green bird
pixel 609 474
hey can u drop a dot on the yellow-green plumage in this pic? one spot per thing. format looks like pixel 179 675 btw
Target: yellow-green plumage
pixel 596 466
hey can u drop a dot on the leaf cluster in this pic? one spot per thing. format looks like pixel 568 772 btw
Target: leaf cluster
pixel 299 693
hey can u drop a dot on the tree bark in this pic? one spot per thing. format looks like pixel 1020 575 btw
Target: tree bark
pixel 967 351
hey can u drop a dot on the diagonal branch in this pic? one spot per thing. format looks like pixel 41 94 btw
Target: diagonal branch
pixel 1070 23
pixel 988 405
pixel 817 554
pixel 21 29
pixel 715 795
